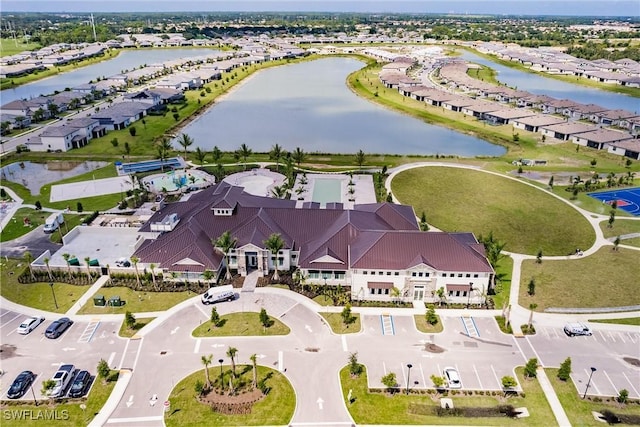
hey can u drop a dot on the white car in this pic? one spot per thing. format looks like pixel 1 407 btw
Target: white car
pixel 29 324
pixel 452 377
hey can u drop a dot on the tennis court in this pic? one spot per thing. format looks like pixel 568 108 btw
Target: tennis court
pixel 628 199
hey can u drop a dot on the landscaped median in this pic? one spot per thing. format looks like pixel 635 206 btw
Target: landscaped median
pixel 241 324
pixel 421 406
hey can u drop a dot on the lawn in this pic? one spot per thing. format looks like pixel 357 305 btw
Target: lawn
pixel 323 300
pixel 140 323
pixel 526 218
pixel 605 279
pixel 503 285
pixel 75 416
pixel 275 409
pixel 241 324
pixel 36 295
pixel 337 325
pixel 135 302
pixel 379 408
pixel 16 227
pixel 425 327
pixel 620 227
pixel 579 410
pixel 635 321
pixel 10 47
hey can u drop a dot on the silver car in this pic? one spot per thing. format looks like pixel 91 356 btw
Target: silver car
pixel 29 324
pixel 452 377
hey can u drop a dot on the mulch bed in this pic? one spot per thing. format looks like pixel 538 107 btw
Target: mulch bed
pixel 232 404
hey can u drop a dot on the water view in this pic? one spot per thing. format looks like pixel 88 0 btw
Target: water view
pixel 309 105
pixel 541 85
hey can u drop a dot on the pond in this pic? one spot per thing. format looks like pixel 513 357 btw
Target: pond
pixel 309 105
pixel 35 175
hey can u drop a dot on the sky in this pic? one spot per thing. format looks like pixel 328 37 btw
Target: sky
pixel 599 8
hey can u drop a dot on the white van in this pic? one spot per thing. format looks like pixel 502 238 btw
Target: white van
pixel 576 328
pixel 218 294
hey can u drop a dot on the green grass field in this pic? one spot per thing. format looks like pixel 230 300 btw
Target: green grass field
pixel 605 279
pixel 135 302
pixel 620 227
pixel 36 295
pixel 378 408
pixel 426 328
pixel 334 320
pixel 635 321
pixel 525 218
pixel 10 47
pixel 275 409
pixel 140 323
pixel 241 324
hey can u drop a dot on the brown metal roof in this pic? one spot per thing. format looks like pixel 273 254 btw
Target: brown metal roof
pixel 379 285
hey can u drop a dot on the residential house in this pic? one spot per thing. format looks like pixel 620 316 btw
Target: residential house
pixel 600 138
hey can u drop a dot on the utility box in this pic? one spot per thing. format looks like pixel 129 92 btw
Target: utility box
pixel 115 301
pixel 98 300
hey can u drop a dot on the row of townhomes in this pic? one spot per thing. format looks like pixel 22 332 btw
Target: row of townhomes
pixel 587 125
pixel 370 249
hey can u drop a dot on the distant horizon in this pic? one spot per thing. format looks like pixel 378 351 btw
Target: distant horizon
pixel 565 8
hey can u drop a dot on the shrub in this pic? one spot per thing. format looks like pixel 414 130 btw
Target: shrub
pixel 390 381
pixel 530 368
pixel 431 316
pixel 103 368
pixel 564 373
pixel 129 320
pixel 623 396
pixel 79 207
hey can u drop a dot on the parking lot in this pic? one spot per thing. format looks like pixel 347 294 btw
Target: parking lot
pixel 605 351
pixel 481 357
pixel 83 345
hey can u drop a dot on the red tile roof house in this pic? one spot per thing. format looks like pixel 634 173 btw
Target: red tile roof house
pixel 369 249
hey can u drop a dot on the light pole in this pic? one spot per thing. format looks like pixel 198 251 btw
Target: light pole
pixel 409 366
pixel 221 378
pixel 54 295
pixel 588 382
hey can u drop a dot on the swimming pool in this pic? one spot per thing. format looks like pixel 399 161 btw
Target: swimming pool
pixel 177 180
pixel 327 190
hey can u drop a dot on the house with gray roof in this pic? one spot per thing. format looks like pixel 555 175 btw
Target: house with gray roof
pixel 369 249
pixel 628 148
pixel 600 138
pixel 505 115
pixel 533 123
pixel 564 131
pixel 121 115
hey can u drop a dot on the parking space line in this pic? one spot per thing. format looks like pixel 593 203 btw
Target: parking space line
pixel 495 375
pixel 631 337
pixel 631 384
pixel 344 342
pixel 111 357
pixel 124 353
pixel 198 306
pixel 593 383
pixel 515 340
pixel 424 381
pixel 621 337
pixel 384 368
pixel 612 384
pixel 534 351
pixel 603 338
pixel 555 332
pixel 611 336
pixel 477 375
pixel 545 332
pixel 12 319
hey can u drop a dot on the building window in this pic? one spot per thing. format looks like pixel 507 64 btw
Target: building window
pixel 426 274
pixel 413 274
pixel 475 275
pixel 388 273
pixel 450 293
pixel 365 272
pixel 380 273
pixel 452 275
pixel 386 291
pixel 457 293
pixel 379 291
pixel 397 273
pixel 468 275
pixel 372 291
pixel 420 274
pixel 232 260
pixel 459 274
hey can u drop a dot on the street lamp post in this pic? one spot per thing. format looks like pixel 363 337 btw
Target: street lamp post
pixel 54 295
pixel 409 366
pixel 221 378
pixel 588 382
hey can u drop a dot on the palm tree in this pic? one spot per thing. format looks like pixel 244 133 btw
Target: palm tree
pixel 493 250
pixel 186 141
pixel 135 260
pixel 279 191
pixel 206 361
pixel 163 151
pixel 225 242
pixel 274 243
pixel 152 267
pixel 298 156
pixel 66 259
pixel 531 308
pixel 245 152
pixel 216 154
pixel 253 359
pixel 87 261
pixel 28 258
pixel 200 155
pixel 232 354
pixel 276 154
pixel 46 262
pixel 360 158
pixel 616 242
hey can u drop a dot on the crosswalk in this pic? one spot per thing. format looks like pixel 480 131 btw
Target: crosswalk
pixel 89 331
pixel 470 327
pixel 386 321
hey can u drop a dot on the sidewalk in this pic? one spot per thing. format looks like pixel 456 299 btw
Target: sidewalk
pixel 552 398
pixel 88 294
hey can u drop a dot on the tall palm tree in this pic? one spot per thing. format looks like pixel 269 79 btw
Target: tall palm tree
pixel 46 262
pixel 66 259
pixel 28 258
pixel 87 260
pixel 200 155
pixel 254 382
pixel 225 242
pixel 206 361
pixel 186 141
pixel 276 154
pixel 298 156
pixel 279 191
pixel 232 355
pixel 531 308
pixel 275 244
pixel 135 260
pixel 163 151
pixel 360 158
pixel 152 267
pixel 216 154
pixel 245 152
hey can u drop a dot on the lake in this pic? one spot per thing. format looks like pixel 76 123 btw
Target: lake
pixel 309 105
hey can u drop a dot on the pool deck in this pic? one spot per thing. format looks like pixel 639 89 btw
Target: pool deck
pixel 155 183
pixel 236 179
pixel 364 190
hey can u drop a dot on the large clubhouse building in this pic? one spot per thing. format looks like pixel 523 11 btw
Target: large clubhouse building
pixel 372 248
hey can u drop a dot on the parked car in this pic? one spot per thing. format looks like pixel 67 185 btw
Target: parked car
pixel 577 328
pixel 80 385
pixel 62 379
pixel 29 324
pixel 21 384
pixel 218 294
pixel 123 262
pixel 452 377
pixel 56 328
